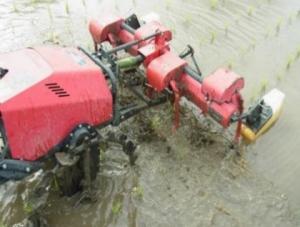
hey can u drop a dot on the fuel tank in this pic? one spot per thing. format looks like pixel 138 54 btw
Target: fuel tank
pixel 44 93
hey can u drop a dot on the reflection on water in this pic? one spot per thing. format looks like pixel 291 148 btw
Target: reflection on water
pixel 259 39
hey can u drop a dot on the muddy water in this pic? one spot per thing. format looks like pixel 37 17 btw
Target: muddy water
pixel 186 179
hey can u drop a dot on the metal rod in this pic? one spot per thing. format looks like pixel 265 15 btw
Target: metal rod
pixel 131 44
pixel 128 28
pixel 192 73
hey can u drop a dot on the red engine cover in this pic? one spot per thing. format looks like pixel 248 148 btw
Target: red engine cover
pixel 45 94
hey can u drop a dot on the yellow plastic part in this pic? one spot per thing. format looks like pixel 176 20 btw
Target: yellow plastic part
pixel 250 136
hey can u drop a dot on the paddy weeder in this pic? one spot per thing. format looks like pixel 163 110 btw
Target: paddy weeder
pixel 54 100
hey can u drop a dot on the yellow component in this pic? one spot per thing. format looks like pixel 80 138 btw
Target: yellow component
pixel 250 136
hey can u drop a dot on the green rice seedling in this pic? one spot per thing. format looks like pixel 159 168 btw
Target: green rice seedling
pixel 213 4
pixel 212 37
pixel 116 207
pixel 27 207
pixel 15 8
pixel 263 86
pixel 230 64
pixel 250 11
pixel 67 8
pixel 138 191
pixel 278 25
pixel 226 28
pixel 298 53
pixel 50 13
pixel 168 4
pixel 279 77
pixel 134 3
pixel 290 61
pixel 188 20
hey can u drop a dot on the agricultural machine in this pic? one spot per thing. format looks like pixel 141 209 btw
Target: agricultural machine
pixel 54 100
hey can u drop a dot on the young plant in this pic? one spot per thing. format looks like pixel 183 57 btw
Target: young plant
pixel 116 207
pixel 214 4
pixel 138 191
pixel 212 37
pixel 290 61
pixel 263 85
pixel 15 8
pixel 250 11
pixel 67 9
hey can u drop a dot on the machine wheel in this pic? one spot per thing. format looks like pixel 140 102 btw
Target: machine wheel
pixel 73 179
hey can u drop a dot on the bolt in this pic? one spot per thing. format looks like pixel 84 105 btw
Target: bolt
pixel 89 127
pixel 86 138
pixel 4 166
pixel 28 169
pixel 71 134
pixel 80 126
pixel 67 145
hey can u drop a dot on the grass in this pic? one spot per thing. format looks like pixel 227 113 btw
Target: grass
pixel 230 65
pixel 213 36
pixel 168 4
pixel 138 191
pixel 188 20
pixel 116 207
pixel 278 25
pixel 290 61
pixel 226 28
pixel 213 4
pixel 250 11
pixel 279 77
pixel 67 8
pixel 263 86
pixel 50 12
pixel 15 8
pixel 27 207
pixel 298 53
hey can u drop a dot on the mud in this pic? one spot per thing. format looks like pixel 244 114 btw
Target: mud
pixel 192 177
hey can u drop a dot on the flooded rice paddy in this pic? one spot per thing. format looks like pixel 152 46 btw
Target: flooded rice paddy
pixel 191 178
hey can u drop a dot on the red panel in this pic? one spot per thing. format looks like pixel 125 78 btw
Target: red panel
pixel 100 29
pixel 163 69
pixel 192 90
pixel 37 119
pixel 151 28
pixel 222 85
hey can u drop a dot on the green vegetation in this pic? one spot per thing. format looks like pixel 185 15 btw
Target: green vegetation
pixel 188 20
pixel 212 37
pixel 67 9
pixel 50 12
pixel 250 11
pixel 138 191
pixel 290 61
pixel 213 4
pixel 278 25
pixel 116 207
pixel 168 4
pixel 263 85
pixel 27 207
pixel 15 8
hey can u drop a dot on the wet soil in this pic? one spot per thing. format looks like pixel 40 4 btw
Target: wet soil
pixel 192 177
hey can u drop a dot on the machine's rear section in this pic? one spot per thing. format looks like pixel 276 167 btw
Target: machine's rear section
pixel 45 93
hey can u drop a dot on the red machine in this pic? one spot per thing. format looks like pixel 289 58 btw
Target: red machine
pixel 52 99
